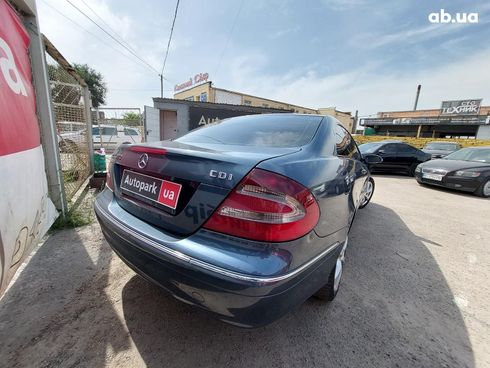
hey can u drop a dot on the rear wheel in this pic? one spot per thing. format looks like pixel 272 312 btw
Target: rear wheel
pixel 328 291
pixel 484 189
pixel 367 192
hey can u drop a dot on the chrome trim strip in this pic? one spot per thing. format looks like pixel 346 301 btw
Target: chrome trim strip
pixel 216 269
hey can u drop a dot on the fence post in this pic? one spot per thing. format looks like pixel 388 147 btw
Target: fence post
pixel 45 111
pixel 88 115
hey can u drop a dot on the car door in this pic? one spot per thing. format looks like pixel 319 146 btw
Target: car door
pixel 355 172
pixel 407 155
pixel 389 153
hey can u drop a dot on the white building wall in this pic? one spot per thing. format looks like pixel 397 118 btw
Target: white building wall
pixel 227 97
pixel 483 131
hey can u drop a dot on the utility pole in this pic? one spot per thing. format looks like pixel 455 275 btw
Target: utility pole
pixel 417 97
pixel 356 117
pixel 161 85
pixel 415 108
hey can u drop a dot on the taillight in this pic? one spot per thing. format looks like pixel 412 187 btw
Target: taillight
pixel 266 207
pixel 152 150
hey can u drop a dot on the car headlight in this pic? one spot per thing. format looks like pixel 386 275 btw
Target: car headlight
pixel 467 174
pixel 418 168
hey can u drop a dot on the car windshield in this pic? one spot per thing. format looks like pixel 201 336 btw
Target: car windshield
pixel 441 146
pixel 370 147
pixel 471 154
pixel 276 130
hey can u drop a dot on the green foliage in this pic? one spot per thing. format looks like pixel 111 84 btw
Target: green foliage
pixel 132 118
pixel 71 220
pixel 95 82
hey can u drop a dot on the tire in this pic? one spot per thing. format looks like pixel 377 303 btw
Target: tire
pixel 484 189
pixel 366 196
pixel 329 291
pixel 411 169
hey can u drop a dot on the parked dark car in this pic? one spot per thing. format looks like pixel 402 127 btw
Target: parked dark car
pixel 397 156
pixel 440 149
pixel 467 169
pixel 246 218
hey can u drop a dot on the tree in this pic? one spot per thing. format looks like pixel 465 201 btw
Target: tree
pixel 132 118
pixel 95 82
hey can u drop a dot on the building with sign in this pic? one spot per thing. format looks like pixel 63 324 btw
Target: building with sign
pixel 455 119
pixel 206 92
pixel 171 118
pixel 191 90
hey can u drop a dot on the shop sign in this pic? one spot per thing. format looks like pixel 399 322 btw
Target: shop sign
pixel 461 107
pixel 191 82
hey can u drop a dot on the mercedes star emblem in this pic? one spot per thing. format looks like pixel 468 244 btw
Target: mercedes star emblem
pixel 143 161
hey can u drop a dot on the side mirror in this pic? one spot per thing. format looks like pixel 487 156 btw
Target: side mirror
pixel 381 151
pixel 371 158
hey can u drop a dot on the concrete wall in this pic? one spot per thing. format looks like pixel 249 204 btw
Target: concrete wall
pixel 483 132
pixel 182 115
pixel 195 92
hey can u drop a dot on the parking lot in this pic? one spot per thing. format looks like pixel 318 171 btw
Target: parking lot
pixel 415 294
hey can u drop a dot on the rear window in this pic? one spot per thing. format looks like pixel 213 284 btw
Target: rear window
pixel 128 131
pixel 276 130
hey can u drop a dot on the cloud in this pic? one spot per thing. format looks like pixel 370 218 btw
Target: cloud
pixel 341 5
pixel 369 91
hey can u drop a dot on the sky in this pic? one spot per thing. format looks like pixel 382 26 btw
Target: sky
pixel 352 54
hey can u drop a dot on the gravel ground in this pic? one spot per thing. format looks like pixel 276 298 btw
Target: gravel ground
pixel 415 293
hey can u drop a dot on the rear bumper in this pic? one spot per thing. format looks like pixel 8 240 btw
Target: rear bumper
pixel 241 298
pixel 452 182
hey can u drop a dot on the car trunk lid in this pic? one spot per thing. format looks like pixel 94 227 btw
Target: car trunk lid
pixel 177 186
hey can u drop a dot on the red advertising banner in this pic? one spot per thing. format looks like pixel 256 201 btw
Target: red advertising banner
pixel 19 130
pixel 26 211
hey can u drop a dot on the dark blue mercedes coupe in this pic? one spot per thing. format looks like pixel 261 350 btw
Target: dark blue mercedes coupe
pixel 246 218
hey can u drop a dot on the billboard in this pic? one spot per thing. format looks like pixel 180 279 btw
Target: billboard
pixel 449 120
pixel 26 212
pixel 200 116
pixel 461 107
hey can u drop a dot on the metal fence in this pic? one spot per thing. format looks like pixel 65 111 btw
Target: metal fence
pixel 70 101
pixel 110 132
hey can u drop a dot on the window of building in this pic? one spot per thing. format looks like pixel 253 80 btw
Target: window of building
pixel 247 102
pixel 203 97
pixel 190 98
pixel 345 144
pixel 265 105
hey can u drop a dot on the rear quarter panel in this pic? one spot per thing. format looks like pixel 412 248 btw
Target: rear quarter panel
pixel 330 178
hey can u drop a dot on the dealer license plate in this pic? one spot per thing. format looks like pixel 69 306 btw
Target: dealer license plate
pixel 437 177
pixel 156 190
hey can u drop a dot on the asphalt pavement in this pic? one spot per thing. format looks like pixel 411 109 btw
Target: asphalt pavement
pixel 415 293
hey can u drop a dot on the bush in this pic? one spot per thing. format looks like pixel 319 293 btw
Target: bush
pixel 421 142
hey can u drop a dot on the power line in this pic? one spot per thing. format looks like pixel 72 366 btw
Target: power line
pixel 108 26
pixel 170 37
pixel 94 35
pixel 111 36
pixel 229 35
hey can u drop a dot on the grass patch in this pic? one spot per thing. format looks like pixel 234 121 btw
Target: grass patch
pixel 71 220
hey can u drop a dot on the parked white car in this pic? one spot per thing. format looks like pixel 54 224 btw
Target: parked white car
pixel 111 136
